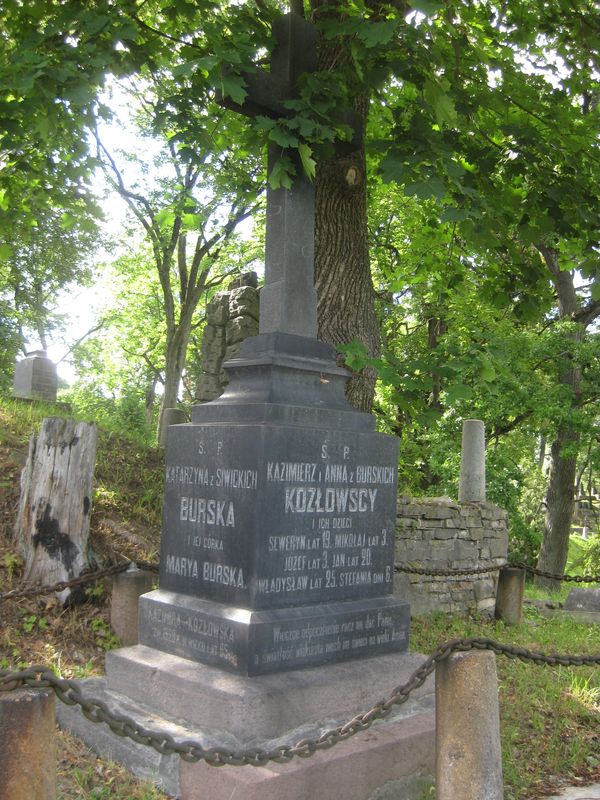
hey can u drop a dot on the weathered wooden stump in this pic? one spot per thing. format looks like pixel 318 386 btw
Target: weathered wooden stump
pixel 53 521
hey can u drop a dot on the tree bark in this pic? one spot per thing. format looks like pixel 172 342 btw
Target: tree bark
pixel 53 522
pixel 345 296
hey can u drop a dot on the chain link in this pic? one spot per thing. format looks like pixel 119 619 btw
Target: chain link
pixel 457 572
pixel 89 577
pixel 81 580
pixel 68 691
pixel 447 571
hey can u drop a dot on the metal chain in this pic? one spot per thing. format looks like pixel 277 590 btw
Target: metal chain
pixel 81 580
pixel 190 750
pixel 447 572
pixel 555 577
pixel 89 577
pixel 456 572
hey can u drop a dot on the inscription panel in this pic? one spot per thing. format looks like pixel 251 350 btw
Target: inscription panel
pixel 260 642
pixel 268 516
pixel 331 504
pixel 210 506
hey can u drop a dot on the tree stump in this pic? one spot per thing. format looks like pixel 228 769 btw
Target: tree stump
pixel 53 522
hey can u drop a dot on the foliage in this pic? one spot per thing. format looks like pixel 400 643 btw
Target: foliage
pixel 39 258
pixel 588 562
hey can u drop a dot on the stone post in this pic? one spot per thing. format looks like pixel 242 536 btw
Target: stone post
pixel 468 752
pixel 509 595
pixel 472 462
pixel 27 745
pixel 126 590
pixel 171 416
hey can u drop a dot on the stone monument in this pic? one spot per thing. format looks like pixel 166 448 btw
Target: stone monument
pixel 35 377
pixel 280 499
pixel 231 317
pixel 275 608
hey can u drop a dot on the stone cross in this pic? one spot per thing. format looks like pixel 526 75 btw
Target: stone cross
pixel 288 301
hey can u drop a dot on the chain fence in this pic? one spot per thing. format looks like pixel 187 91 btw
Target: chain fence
pixel 96 710
pixel 461 572
pixel 34 590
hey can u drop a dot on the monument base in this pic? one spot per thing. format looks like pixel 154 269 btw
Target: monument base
pixel 196 701
pixel 257 642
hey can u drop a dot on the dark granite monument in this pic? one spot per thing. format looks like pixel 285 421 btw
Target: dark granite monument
pixel 280 499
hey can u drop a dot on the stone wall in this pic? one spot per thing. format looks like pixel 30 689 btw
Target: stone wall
pixel 440 533
pixel 231 317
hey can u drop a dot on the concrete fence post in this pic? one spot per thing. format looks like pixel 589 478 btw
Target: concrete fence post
pixel 509 595
pixel 126 590
pixel 468 751
pixel 472 462
pixel 28 745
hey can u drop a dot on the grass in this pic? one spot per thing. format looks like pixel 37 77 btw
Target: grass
pixel 549 716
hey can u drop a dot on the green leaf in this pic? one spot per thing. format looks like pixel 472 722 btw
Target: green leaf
pixel 451 214
pixel 234 86
pixel 281 174
pixel 308 163
pixel 427 7
pixel 283 137
pixel 432 187
pixel 443 104
pixel 377 33
pixel 6 252
pixel 458 392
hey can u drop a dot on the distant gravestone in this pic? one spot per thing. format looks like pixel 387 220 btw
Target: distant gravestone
pixel 472 462
pixel 583 600
pixel 35 377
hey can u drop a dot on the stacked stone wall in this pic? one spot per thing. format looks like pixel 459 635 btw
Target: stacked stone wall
pixel 231 317
pixel 439 533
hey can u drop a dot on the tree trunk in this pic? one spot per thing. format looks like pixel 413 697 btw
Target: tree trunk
pixel 174 364
pixel 560 494
pixel 346 300
pixel 560 504
pixel 53 521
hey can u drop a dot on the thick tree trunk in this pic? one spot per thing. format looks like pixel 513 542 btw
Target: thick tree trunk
pixel 346 300
pixel 346 309
pixel 53 521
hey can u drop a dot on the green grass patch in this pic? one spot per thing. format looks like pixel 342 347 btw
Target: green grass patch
pixel 549 716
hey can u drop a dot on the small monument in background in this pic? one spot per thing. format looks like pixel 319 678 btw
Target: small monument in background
pixel 35 377
pixel 231 317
